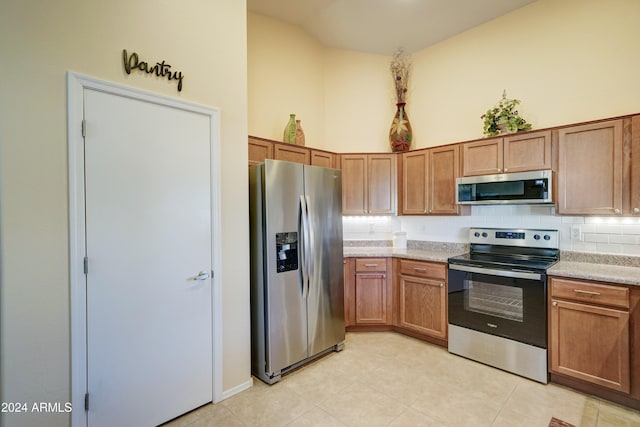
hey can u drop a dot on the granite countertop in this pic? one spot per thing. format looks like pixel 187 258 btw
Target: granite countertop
pixel 618 269
pixel 621 274
pixel 423 251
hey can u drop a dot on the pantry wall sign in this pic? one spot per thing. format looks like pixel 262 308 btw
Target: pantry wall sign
pixel 132 62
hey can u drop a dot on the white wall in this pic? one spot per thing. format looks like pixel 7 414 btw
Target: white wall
pixel 40 41
pixel 597 235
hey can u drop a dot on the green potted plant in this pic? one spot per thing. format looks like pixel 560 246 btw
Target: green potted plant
pixel 504 118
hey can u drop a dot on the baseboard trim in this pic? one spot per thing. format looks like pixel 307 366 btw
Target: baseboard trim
pixel 237 389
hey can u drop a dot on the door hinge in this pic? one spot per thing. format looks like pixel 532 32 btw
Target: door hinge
pixel 86 401
pixel 86 265
pixel 84 128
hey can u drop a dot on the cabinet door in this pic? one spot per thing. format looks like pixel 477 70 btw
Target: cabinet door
pixel 414 182
pixel 444 168
pixel 354 184
pixel 527 152
pixel 590 169
pixel 323 159
pixel 349 292
pixel 590 343
pixel 482 157
pixel 371 299
pixel 381 170
pixel 259 150
pixel 292 153
pixel 423 306
pixel 634 185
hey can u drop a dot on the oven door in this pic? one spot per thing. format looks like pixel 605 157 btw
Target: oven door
pixel 510 304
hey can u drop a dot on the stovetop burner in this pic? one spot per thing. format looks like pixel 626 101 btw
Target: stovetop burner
pixel 512 249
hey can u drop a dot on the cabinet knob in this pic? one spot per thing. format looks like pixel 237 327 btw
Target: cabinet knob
pixel 442 285
pixel 636 210
pixel 617 211
pixel 555 303
pixel 506 170
pixel 499 170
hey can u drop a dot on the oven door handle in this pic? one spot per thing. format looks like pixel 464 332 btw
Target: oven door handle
pixel 494 272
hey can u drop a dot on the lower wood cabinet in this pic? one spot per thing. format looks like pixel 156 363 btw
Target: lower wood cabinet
pixel 422 298
pixel 393 294
pixel 589 332
pixel 368 291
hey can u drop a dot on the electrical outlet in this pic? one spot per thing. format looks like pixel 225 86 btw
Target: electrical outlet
pixel 576 232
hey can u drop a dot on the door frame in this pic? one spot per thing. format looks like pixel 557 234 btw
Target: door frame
pixel 76 84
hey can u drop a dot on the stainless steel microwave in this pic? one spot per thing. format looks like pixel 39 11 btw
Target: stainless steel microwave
pixel 507 188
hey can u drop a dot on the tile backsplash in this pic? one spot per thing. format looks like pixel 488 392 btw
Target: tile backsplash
pixel 619 235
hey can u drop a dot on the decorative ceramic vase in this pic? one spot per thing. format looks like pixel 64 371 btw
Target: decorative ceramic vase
pixel 290 130
pixel 299 134
pixel 400 135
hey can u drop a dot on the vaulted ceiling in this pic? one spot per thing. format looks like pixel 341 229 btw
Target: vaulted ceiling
pixel 382 26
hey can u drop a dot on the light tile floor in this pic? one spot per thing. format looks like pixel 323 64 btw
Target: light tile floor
pixel 388 379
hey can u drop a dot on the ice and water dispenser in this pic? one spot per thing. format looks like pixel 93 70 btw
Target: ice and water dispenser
pixel 286 251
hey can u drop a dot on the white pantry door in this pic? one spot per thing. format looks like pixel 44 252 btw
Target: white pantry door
pixel 148 236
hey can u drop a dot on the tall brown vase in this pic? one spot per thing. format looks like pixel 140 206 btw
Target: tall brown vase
pixel 299 134
pixel 400 135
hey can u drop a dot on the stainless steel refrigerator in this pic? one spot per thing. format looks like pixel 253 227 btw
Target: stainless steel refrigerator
pixel 297 283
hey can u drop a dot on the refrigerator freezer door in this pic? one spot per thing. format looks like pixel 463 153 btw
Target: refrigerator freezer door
pixel 285 308
pixel 325 302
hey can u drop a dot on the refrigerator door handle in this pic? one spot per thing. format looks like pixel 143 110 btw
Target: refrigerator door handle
pixel 312 242
pixel 304 247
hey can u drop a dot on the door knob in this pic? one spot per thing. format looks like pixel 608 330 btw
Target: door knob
pixel 203 275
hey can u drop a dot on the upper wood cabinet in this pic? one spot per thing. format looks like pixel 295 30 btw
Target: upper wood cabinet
pixel 323 158
pixel 514 153
pixel 429 181
pixel 527 152
pixel 482 157
pixel 259 150
pixel 634 167
pixel 292 153
pixel 590 169
pixel 368 184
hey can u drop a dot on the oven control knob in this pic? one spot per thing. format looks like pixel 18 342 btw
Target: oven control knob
pixel 547 237
pixel 536 236
pixel 476 234
pixel 484 234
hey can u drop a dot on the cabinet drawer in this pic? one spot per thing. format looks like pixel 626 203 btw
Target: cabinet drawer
pixel 423 269
pixel 371 264
pixel 596 293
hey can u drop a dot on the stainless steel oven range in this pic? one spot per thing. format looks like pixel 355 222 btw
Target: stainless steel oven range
pixel 497 299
